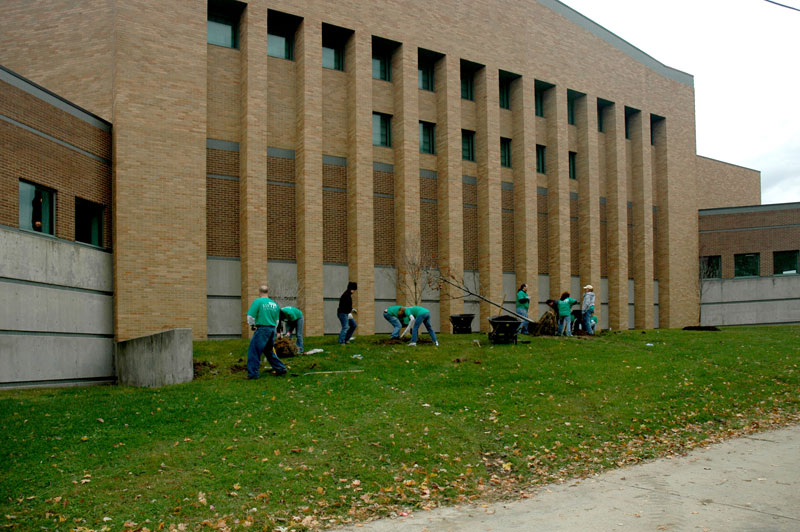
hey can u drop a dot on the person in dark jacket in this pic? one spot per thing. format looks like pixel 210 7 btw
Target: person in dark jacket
pixel 345 313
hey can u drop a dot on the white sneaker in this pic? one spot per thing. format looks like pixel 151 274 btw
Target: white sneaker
pixel 413 344
pixel 437 344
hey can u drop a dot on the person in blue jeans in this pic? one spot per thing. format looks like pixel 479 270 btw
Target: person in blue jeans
pixel 564 314
pixel 292 319
pixel 420 315
pixel 523 301
pixel 587 308
pixel 344 313
pixel 263 316
pixel 396 316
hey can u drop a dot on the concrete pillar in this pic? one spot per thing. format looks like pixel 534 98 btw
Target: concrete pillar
pixel 159 170
pixel 308 54
pixel 526 235
pixel 588 170
pixel 642 194
pixel 253 156
pixel 450 202
pixel 558 224
pixel 616 216
pixel 487 150
pixel 405 132
pixel 360 221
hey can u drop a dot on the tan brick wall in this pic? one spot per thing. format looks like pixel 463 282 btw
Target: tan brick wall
pixel 726 185
pixel 224 93
pixel 222 218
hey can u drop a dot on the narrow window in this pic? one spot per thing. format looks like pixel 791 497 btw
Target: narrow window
pixel 381 130
pixel 784 262
pixel 541 163
pixel 223 24
pixel 573 165
pixel 571 97
pixel 88 222
pixel 426 80
pixel 505 152
pixel 333 42
pixel 711 267
pixel 538 99
pixel 505 93
pixel 281 28
pixel 37 208
pixel 468 145
pixel 333 58
pixel 427 137
pixel 467 85
pixel 602 106
pixel 381 66
pixel 630 113
pixel 280 46
pixel 747 265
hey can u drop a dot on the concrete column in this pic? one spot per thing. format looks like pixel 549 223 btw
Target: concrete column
pixel 487 150
pixel 616 217
pixel 159 170
pixel 405 132
pixel 450 202
pixel 642 195
pixel 558 224
pixel 308 166
pixel 526 236
pixel 253 156
pixel 588 196
pixel 360 222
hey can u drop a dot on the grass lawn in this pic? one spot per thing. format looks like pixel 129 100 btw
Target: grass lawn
pixel 415 428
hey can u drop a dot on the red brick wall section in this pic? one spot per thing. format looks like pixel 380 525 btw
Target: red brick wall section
pixel 30 157
pixel 281 222
pixel 221 162
pixel 334 214
pixel 575 263
pixel 470 199
pixel 222 222
pixel 507 199
pixel 762 232
pixel 544 262
pixel 383 213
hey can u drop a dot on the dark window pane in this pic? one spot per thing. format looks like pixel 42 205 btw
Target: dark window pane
pixel 746 265
pixel 36 208
pixel 280 46
pixel 784 262
pixel 541 163
pixel 88 222
pixel 221 33
pixel 505 153
pixel 468 145
pixel 711 267
pixel 573 165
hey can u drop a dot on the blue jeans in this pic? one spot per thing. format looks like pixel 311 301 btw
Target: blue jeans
pixel 297 328
pixel 523 327
pixel 262 342
pixel 562 321
pixel 348 327
pixel 587 320
pixel 426 319
pixel 396 325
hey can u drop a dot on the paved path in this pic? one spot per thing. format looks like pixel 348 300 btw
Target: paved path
pixel 748 484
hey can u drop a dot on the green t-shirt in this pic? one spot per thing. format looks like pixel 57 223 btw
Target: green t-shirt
pixel 291 314
pixel 265 311
pixel 417 311
pixel 523 300
pixel 564 306
pixel 394 311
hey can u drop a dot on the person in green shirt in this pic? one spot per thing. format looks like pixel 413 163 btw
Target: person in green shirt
pixel 396 315
pixel 522 306
pixel 263 316
pixel 420 315
pixel 565 314
pixel 292 320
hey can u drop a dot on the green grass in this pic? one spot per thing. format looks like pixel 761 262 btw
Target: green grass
pixel 418 427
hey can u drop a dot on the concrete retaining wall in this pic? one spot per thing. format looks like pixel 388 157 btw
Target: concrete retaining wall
pixel 155 360
pixel 56 320
pixel 750 301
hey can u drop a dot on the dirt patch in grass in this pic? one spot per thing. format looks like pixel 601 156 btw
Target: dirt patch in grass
pixel 398 341
pixel 204 368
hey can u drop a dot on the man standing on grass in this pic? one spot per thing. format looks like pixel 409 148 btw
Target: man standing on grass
pixel 345 313
pixel 418 316
pixel 292 319
pixel 263 316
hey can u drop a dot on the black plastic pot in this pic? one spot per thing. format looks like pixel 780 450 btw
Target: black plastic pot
pixel 462 323
pixel 504 329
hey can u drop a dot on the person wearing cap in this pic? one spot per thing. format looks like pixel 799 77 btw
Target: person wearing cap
pixel 587 308
pixel 292 318
pixel 345 313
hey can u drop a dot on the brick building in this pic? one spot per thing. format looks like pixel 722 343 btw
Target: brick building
pixel 309 143
pixel 749 264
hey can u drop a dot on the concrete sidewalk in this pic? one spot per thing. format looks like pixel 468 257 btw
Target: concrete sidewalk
pixel 748 484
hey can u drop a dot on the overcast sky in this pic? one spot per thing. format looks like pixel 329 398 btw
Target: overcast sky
pixel 745 59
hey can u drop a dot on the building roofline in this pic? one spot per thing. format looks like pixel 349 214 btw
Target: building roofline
pixel 34 89
pixel 729 164
pixel 618 42
pixel 750 208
